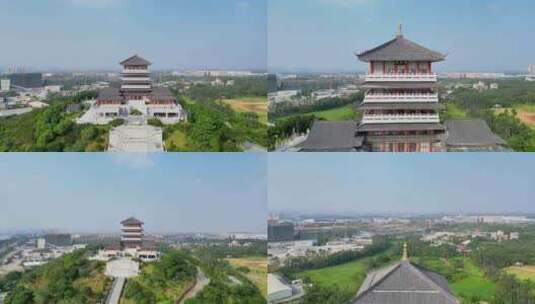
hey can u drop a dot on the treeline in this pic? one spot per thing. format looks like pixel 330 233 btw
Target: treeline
pixel 256 249
pixel 52 129
pixel 297 264
pixel 173 271
pixel 250 86
pixel 283 109
pixel 215 127
pixel 64 280
pixel 287 127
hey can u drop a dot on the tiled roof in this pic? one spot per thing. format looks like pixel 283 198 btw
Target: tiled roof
pixel 135 60
pixel 400 49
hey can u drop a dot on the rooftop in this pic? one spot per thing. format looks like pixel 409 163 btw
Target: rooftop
pixel 400 49
pixel 132 221
pixel 135 60
pixel 332 136
pixel 471 132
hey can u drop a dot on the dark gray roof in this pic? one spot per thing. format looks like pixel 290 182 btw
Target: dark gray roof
pixel 135 60
pixel 400 106
pixel 161 92
pixel 471 132
pixel 109 93
pixel 404 283
pixel 131 221
pixel 332 136
pixel 401 127
pixel 400 49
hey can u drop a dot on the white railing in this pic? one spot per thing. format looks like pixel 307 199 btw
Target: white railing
pixel 400 118
pixel 128 79
pixel 401 77
pixel 128 86
pixel 128 71
pixel 401 97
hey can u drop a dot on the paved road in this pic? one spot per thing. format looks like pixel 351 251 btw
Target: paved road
pixel 116 291
pixel 202 281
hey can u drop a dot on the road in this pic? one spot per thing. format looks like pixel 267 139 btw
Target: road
pixel 202 281
pixel 117 288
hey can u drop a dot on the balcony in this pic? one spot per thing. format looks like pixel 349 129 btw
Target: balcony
pixel 135 79
pixel 128 71
pixel 412 97
pixel 401 77
pixel 140 87
pixel 400 118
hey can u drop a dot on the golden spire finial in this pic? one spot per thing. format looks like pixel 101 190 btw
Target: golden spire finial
pixel 400 31
pixel 405 255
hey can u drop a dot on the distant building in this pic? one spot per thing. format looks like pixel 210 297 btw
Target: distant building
pixel 404 283
pixel 279 232
pixel 5 85
pixel 280 291
pixel 531 69
pixel 26 80
pixel 41 243
pixel 58 239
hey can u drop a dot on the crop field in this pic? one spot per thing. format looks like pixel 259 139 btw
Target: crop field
pixel 523 272
pixel 256 105
pixel 257 273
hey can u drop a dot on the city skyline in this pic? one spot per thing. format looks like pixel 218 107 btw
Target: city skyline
pixel 323 35
pixel 170 193
pixel 97 34
pixel 363 184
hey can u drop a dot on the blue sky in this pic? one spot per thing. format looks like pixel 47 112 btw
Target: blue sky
pixel 477 35
pixel 402 183
pixel 200 192
pixel 97 34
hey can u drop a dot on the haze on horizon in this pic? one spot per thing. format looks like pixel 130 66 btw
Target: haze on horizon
pixel 477 35
pixel 171 193
pixel 98 34
pixel 364 184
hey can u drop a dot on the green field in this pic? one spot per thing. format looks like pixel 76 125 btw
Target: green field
pixel 348 276
pixel 466 280
pixel 453 111
pixel 256 105
pixel 343 113
pixel 524 112
pixel 522 272
pixel 475 284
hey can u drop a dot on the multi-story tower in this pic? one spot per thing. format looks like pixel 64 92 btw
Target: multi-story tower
pixel 132 233
pixel 400 107
pixel 135 78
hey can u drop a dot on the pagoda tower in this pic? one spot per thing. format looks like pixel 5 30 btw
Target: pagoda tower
pixel 135 78
pixel 132 233
pixel 401 107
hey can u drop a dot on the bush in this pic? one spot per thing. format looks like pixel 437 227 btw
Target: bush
pixel 117 122
pixel 155 122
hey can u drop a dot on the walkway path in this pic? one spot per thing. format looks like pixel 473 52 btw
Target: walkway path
pixel 202 281
pixel 116 290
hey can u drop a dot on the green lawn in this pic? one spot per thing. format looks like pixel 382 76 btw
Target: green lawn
pixel 343 113
pixel 348 276
pixel 453 111
pixel 475 284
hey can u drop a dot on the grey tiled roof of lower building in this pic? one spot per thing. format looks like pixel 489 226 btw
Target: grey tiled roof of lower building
pixel 471 133
pixel 332 136
pixel 109 93
pixel 404 283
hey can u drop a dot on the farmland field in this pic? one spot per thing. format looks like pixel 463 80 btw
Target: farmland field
pixel 348 276
pixel 525 112
pixel 256 105
pixel 257 273
pixel 523 272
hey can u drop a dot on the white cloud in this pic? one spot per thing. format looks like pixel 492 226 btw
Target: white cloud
pixel 345 3
pixel 133 160
pixel 97 3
